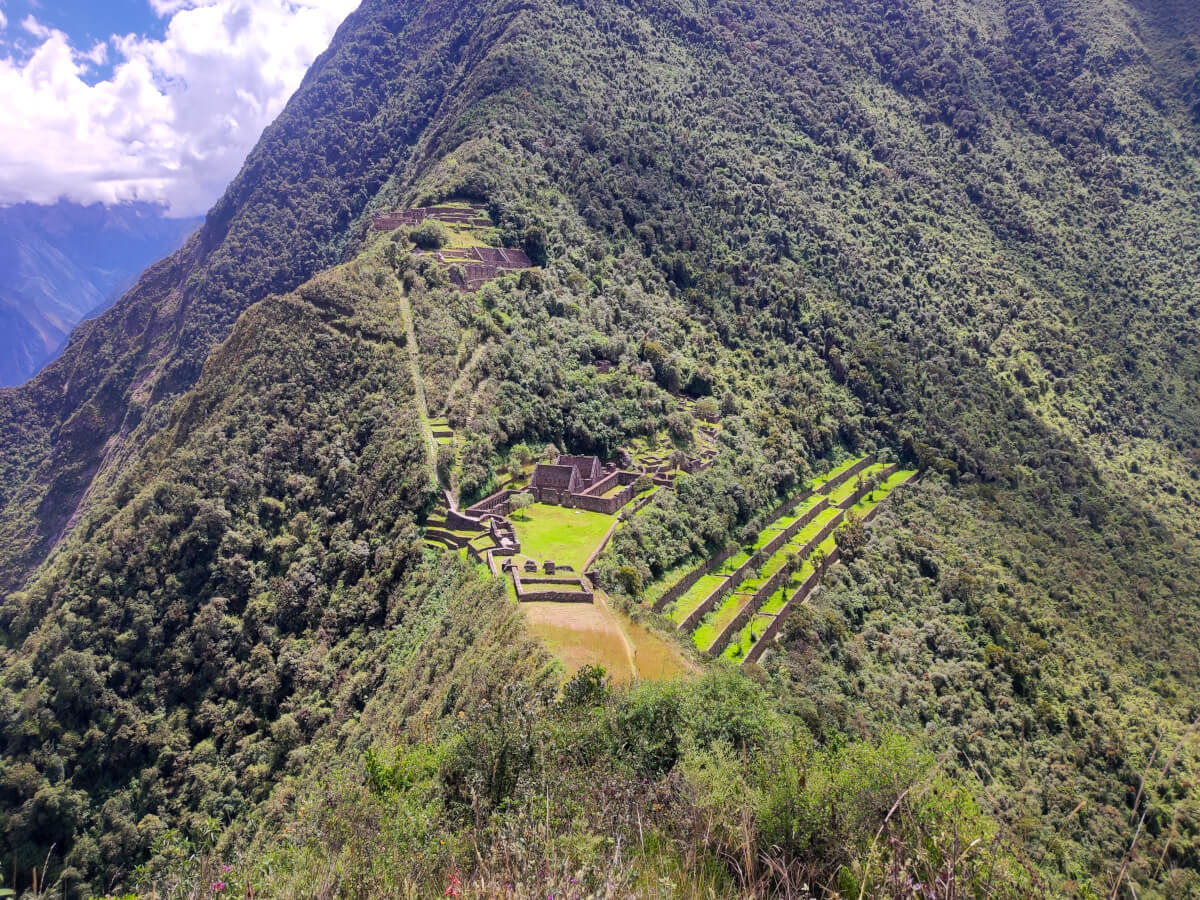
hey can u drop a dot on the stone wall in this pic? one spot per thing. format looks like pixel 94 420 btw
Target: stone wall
pixel 532 589
pixel 684 584
pixel 497 504
pixel 769 548
pixel 772 630
pixel 848 474
pixel 459 522
pixel 854 498
pixel 721 591
pixel 807 588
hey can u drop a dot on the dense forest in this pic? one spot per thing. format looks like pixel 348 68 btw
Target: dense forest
pixel 963 233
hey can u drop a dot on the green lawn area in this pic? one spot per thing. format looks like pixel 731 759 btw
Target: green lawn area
pixel 566 536
pixel 686 604
pixel 731 564
pixel 843 491
pixel 716 621
pixel 834 472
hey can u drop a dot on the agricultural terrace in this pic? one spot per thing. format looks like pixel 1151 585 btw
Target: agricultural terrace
pixel 846 489
pixel 774 606
pixel 746 593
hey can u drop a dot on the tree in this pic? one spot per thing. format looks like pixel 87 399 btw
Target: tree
pixel 706 409
pixel 519 503
pixel 430 235
pixel 850 536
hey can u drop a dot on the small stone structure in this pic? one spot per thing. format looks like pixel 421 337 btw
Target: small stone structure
pixel 473 215
pixel 470 267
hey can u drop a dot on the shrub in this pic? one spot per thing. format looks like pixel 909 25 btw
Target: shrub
pixel 430 235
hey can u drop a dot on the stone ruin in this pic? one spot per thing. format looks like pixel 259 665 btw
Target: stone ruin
pixel 470 267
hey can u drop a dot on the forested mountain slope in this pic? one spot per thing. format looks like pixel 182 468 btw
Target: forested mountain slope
pixel 966 231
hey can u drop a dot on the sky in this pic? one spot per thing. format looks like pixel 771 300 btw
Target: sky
pixel 157 101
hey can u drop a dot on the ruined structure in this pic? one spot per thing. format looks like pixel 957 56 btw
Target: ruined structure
pixel 470 267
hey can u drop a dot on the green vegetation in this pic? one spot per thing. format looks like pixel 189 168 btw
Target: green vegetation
pixel 965 232
pixel 694 596
pixel 430 235
pixel 568 780
pixel 564 536
pixel 716 621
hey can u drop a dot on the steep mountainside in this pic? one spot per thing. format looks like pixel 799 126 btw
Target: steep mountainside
pixel 964 231
pixel 61 263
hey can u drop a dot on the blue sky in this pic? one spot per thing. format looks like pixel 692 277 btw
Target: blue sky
pixel 159 101
pixel 86 23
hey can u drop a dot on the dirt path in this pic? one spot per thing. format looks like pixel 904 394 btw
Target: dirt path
pixel 464 373
pixel 414 365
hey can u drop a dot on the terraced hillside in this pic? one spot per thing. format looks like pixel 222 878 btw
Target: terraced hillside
pixel 735 604
pixel 768 235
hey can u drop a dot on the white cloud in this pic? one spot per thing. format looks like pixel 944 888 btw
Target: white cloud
pixel 177 117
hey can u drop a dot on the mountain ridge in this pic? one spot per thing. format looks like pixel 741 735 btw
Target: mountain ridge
pixel 963 233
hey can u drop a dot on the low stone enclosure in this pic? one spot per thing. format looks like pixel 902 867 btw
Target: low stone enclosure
pixel 554 588
pixel 721 607
pixel 470 267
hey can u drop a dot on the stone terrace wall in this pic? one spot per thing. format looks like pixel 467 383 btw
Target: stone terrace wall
pixel 768 549
pixel 853 499
pixel 804 590
pixel 721 591
pixel 459 522
pixel 775 582
pixel 759 557
pixel 497 504
pixel 863 463
pixel 684 584
pixel 797 598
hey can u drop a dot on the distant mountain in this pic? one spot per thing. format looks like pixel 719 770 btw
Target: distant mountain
pixel 61 263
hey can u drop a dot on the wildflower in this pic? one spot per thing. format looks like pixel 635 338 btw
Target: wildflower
pixel 218 886
pixel 453 889
pixel 225 868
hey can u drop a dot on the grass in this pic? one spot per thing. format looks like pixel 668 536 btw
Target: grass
pixel 835 472
pixel 759 622
pixel 877 496
pixel 669 579
pixel 566 536
pixel 718 620
pixel 687 604
pixel 844 491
